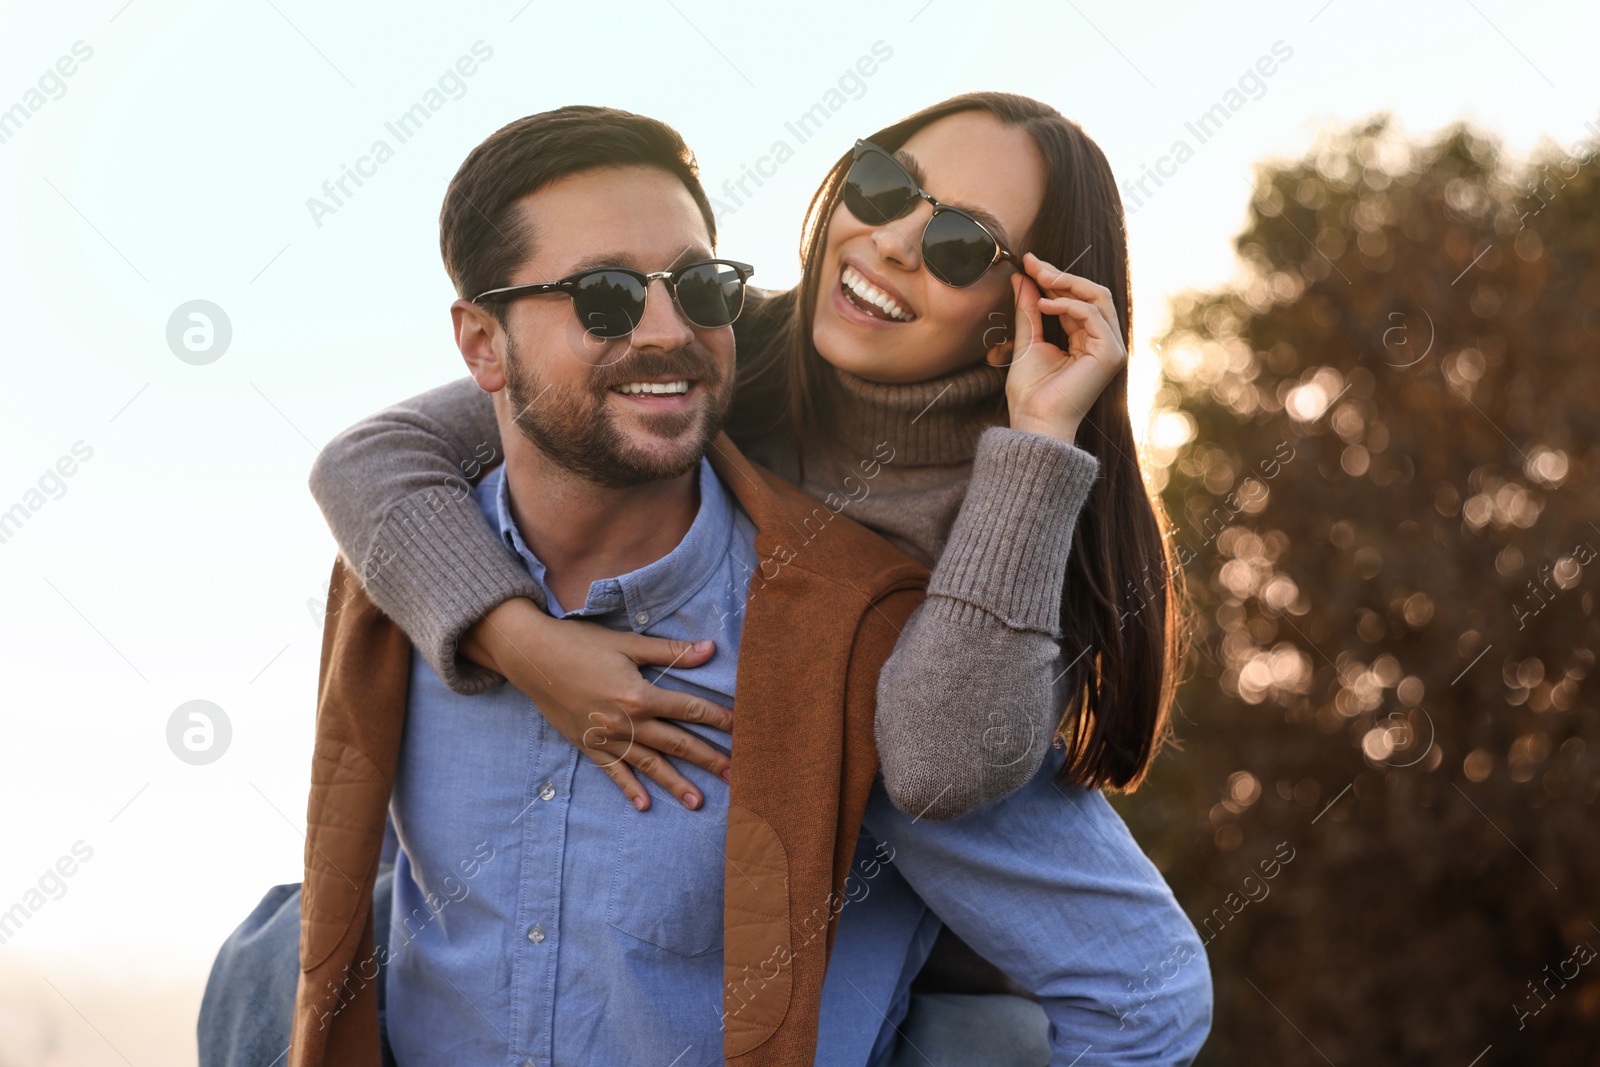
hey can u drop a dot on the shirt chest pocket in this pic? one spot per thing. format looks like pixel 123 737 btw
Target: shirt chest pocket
pixel 666 887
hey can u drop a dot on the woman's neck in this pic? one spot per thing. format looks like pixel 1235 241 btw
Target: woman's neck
pixel 931 423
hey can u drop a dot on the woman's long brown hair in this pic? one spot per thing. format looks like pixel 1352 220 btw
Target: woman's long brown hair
pixel 1123 613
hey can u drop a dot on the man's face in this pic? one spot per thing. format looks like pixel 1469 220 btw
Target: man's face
pixel 565 386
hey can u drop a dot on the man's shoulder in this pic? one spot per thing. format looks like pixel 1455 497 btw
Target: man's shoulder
pixel 795 529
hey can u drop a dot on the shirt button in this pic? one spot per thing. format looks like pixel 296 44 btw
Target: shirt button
pixel 547 791
pixel 642 618
pixel 536 933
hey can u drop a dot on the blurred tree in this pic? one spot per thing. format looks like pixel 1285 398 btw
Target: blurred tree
pixel 1383 481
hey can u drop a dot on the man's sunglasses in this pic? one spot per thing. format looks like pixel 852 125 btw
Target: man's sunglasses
pixel 609 301
pixel 957 248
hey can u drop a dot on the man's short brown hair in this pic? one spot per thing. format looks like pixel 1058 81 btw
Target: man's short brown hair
pixel 481 235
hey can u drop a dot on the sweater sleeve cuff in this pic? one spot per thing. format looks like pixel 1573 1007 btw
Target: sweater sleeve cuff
pixel 1007 553
pixel 436 571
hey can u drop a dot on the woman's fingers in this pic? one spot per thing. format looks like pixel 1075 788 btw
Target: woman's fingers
pixel 664 703
pixel 619 759
pixel 664 652
pixel 1086 318
pixel 1053 280
pixel 1088 333
pixel 653 765
pixel 657 702
pixel 618 771
pixel 1051 390
pixel 647 753
pixel 670 740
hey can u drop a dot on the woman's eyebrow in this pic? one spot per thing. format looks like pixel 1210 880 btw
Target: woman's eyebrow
pixel 920 176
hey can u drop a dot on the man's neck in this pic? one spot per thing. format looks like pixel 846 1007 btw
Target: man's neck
pixel 583 532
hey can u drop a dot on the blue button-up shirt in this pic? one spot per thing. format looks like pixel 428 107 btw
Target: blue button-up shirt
pixel 539 919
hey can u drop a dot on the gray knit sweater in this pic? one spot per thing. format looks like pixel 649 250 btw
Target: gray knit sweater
pixel 967 704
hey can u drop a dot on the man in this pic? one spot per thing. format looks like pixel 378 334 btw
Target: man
pixel 534 919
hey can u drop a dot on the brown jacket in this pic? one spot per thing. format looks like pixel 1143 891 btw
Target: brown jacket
pixel 825 609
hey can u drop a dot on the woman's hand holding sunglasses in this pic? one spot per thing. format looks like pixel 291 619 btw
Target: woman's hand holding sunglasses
pixel 1048 390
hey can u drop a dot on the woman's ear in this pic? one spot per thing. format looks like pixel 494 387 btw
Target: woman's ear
pixel 481 339
pixel 999 338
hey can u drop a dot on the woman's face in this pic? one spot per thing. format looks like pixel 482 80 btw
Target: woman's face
pixel 969 160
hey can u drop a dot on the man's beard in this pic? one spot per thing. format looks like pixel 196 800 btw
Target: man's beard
pixel 574 427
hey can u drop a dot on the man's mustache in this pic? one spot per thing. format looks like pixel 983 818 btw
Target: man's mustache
pixel 684 363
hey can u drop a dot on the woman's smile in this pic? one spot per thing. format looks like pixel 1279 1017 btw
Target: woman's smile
pixel 874 299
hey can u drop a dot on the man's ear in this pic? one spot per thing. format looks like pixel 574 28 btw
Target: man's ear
pixel 482 341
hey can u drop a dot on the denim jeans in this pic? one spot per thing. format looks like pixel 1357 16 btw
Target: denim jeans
pixel 248 1007
pixel 967 1030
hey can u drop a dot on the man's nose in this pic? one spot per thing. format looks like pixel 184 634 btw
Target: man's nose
pixel 663 325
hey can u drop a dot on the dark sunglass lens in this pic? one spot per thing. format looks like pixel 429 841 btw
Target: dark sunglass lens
pixel 609 303
pixel 956 249
pixel 877 190
pixel 711 294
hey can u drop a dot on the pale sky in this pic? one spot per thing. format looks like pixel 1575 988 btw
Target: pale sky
pixel 176 561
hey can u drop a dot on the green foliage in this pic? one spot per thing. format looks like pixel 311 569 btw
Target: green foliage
pixel 1384 489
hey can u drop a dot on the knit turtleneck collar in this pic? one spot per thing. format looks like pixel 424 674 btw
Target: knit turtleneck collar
pixel 929 423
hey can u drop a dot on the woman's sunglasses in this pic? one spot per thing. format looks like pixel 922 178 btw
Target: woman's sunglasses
pixel 609 301
pixel 957 248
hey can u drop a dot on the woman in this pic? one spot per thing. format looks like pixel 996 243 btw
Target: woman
pixel 883 386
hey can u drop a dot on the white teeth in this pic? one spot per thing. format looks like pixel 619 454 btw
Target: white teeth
pixel 870 293
pixel 677 388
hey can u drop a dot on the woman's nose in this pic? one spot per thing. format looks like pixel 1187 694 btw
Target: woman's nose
pixel 899 240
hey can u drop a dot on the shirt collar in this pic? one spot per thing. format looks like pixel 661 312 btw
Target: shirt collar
pixel 652 592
